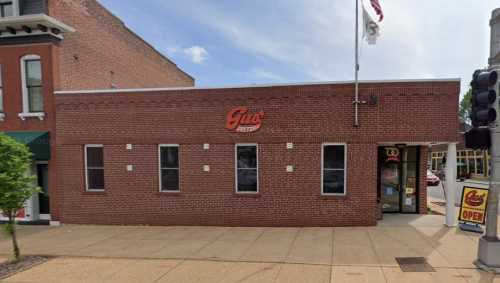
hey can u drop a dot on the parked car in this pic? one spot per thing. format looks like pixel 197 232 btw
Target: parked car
pixel 432 180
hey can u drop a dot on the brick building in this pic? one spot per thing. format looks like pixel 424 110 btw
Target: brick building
pixel 253 156
pixel 471 164
pixel 50 45
pixel 120 135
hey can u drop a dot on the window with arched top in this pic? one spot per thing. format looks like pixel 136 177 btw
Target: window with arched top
pixel 32 84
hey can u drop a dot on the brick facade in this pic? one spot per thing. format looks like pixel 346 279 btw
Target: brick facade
pixel 103 53
pixel 306 115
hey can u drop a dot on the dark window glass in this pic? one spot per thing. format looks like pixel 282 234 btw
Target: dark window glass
pixel 169 162
pixel 95 157
pixel 95 168
pixel 247 156
pixel 247 180
pixel 411 154
pixel 35 97
pixel 333 157
pixel 6 9
pixel 33 73
pixel 34 85
pixel 170 157
pixel 246 162
pixel 169 179
pixel 96 179
pixel 333 169
pixel 333 181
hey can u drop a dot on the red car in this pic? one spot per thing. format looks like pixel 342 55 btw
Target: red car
pixel 432 180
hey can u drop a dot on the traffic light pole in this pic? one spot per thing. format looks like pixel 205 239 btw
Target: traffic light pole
pixel 492 219
pixel 489 244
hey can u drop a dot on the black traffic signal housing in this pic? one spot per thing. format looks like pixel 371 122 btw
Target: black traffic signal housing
pixel 484 110
pixel 483 98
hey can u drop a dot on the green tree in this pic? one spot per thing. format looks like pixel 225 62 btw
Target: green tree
pixel 16 184
pixel 465 107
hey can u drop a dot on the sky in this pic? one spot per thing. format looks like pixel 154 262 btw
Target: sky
pixel 241 42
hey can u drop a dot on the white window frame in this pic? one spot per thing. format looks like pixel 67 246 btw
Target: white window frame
pixel 2 110
pixel 86 167
pixel 323 168
pixel 236 167
pixel 15 8
pixel 178 168
pixel 26 111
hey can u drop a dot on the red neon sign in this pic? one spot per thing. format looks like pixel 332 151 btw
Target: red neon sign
pixel 239 120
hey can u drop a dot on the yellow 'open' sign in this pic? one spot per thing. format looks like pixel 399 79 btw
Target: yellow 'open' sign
pixel 473 205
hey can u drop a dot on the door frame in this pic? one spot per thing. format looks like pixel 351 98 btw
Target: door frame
pixel 400 167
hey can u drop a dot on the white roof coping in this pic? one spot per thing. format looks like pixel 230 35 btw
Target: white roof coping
pixel 117 90
pixel 18 22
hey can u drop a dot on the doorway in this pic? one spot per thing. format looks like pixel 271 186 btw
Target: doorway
pixel 43 197
pixel 398 178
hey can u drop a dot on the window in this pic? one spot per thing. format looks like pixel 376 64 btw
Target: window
pixel 169 168
pixel 6 9
pixel 31 68
pixel 333 166
pixel 247 177
pixel 1 93
pixel 94 167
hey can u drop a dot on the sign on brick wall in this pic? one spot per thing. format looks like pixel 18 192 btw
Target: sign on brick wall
pixel 241 120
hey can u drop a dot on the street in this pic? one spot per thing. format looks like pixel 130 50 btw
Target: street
pixel 436 192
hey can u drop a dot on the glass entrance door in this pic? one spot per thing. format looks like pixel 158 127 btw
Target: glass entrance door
pixel 398 179
pixel 390 186
pixel 43 197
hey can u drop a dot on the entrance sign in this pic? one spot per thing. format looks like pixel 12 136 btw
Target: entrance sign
pixel 392 154
pixel 239 120
pixel 473 205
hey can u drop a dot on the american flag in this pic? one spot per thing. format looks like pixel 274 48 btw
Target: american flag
pixel 378 9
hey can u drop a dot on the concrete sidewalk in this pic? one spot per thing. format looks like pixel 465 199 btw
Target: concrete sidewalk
pixel 223 254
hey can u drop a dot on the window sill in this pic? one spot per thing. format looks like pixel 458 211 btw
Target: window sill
pixel 169 193
pixel 94 192
pixel 2 117
pixel 247 195
pixel 333 196
pixel 39 115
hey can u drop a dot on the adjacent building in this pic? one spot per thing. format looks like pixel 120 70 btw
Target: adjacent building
pixel 50 45
pixel 471 164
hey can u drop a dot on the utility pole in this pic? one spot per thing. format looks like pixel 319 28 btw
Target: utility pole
pixel 489 244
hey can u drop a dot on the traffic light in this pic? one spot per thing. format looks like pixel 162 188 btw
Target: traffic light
pixel 483 98
pixel 484 109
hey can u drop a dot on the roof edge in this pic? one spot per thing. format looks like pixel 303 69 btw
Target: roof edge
pixel 117 90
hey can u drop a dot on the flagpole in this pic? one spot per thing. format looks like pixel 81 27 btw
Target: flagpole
pixel 356 69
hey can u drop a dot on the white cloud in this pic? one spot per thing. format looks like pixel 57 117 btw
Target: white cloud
pixel 267 75
pixel 197 54
pixel 419 39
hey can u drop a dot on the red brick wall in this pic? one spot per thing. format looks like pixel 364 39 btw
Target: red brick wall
pixel 103 52
pixel 10 59
pixel 304 115
pixel 424 153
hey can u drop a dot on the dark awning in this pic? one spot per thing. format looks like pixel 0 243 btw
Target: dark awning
pixel 38 143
